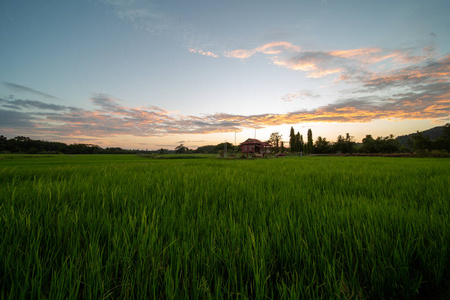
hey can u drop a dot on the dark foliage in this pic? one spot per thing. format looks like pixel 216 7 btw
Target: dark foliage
pixel 21 144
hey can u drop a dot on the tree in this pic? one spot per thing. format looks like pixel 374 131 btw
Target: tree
pixel 310 145
pixel 349 143
pixel 181 149
pixel 22 138
pixel 368 145
pixel 282 147
pixel 206 149
pixel 163 151
pixel 443 141
pixel 275 139
pixel 446 133
pixel 322 146
pixel 222 146
pixel 421 142
pixel 299 142
pixel 3 142
pixel 344 144
pixel 390 145
pixel 293 140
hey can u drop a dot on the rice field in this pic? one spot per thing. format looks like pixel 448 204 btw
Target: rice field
pixel 130 227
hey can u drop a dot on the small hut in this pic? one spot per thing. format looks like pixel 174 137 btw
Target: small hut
pixel 255 148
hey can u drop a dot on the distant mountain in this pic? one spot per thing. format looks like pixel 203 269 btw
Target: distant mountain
pixel 432 133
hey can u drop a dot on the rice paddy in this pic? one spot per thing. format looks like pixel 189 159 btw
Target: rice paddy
pixel 107 226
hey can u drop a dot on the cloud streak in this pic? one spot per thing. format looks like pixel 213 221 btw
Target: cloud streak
pixel 21 88
pixel 300 95
pixel 270 48
pixel 144 16
pixel 19 104
pixel 205 53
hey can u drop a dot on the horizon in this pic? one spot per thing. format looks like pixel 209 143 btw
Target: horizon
pixel 149 75
pixel 286 142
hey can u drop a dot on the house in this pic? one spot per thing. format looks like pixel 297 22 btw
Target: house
pixel 255 148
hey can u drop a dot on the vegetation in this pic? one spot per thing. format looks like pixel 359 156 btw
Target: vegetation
pixel 309 145
pixel 22 144
pixel 295 141
pixel 432 133
pixel 181 149
pixel 380 145
pixel 274 140
pixel 125 226
pixel 434 142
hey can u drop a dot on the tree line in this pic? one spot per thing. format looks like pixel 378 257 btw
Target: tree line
pixel 26 145
pixel 22 144
pixel 418 142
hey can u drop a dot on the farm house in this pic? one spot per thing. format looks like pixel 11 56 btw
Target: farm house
pixel 255 148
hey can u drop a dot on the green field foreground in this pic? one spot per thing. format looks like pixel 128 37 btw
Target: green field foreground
pixel 123 226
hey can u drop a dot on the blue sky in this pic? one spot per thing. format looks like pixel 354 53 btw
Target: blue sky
pixel 152 74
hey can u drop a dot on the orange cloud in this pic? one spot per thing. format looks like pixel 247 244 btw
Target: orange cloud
pixel 270 48
pixel 348 64
pixel 310 65
pixel 355 52
pixel 437 71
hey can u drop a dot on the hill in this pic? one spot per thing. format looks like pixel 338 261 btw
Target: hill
pixel 432 133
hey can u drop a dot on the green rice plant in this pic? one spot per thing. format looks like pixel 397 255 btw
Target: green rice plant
pixel 123 226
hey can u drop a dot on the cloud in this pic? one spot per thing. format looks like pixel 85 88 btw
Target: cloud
pixel 270 48
pixel 158 109
pixel 429 102
pixel 433 71
pixel 105 102
pixel 10 120
pixel 144 16
pixel 112 119
pixel 198 141
pixel 205 53
pixel 415 91
pixel 21 88
pixel 346 63
pixel 359 109
pixel 148 16
pixel 19 104
pixel 300 95
pixel 315 63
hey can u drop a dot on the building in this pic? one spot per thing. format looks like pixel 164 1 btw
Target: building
pixel 255 148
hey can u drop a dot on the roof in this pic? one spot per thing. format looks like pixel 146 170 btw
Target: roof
pixel 255 141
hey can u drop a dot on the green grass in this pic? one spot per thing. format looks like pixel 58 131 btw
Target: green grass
pixel 124 226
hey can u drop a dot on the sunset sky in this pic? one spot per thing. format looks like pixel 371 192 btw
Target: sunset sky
pixel 155 74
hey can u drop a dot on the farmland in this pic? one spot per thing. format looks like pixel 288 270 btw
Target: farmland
pixel 124 226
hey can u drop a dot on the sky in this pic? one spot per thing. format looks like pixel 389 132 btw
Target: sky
pixel 155 74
